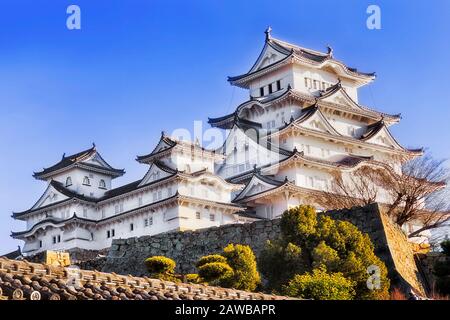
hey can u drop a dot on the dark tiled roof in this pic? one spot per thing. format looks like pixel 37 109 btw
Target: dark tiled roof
pixel 73 159
pixel 21 280
pixel 171 143
pixel 13 255
pixel 53 220
pixel 338 86
pixel 69 193
pixel 316 56
pixel 257 174
pixel 228 121
pixel 372 130
pixel 291 50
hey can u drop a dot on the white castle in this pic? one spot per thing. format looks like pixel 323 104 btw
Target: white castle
pixel 301 122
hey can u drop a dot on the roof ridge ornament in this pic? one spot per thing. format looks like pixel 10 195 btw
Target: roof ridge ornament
pixel 268 33
pixel 330 51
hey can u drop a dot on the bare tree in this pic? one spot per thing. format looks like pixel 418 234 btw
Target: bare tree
pixel 352 189
pixel 417 195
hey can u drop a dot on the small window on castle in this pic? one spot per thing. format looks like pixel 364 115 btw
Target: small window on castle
pixel 278 85
pixel 316 84
pixel 212 217
pixel 131 226
pixel 113 233
pixel 198 215
pixel 59 238
pixel 270 88
pixel 102 184
pixel 40 243
pixel 54 240
pixel 150 220
pixel 261 91
pixel 145 222
pixel 108 234
pixel 68 181
pixel 86 181
pixel 103 213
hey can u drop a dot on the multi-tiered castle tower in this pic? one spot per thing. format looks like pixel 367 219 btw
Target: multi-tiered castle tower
pixel 302 122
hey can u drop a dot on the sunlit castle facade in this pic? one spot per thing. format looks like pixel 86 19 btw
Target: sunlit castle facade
pixel 302 122
pixel 80 209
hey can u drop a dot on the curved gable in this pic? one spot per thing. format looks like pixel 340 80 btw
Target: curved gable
pixel 156 172
pixel 51 195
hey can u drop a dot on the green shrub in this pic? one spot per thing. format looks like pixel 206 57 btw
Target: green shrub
pixel 322 242
pixel 243 262
pixel 445 245
pixel 279 263
pixel 320 285
pixel 235 268
pixel 442 268
pixel 217 272
pixel 161 268
pixel 210 258
pixel 192 278
pixel 160 264
pixel 324 256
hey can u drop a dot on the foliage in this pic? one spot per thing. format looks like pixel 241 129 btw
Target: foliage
pixel 320 285
pixel 192 278
pixel 161 267
pixel 215 272
pixel 445 245
pixel 421 182
pixel 234 268
pixel 210 258
pixel 442 271
pixel 243 262
pixel 289 262
pixel 442 268
pixel 319 242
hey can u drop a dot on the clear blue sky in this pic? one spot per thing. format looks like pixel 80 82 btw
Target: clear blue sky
pixel 138 67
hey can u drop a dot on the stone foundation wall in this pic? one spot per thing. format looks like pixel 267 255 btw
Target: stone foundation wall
pixel 126 256
pixel 391 245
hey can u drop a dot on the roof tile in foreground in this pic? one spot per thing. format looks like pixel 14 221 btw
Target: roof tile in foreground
pixel 22 280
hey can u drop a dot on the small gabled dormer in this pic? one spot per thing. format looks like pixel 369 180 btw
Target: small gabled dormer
pixel 85 173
